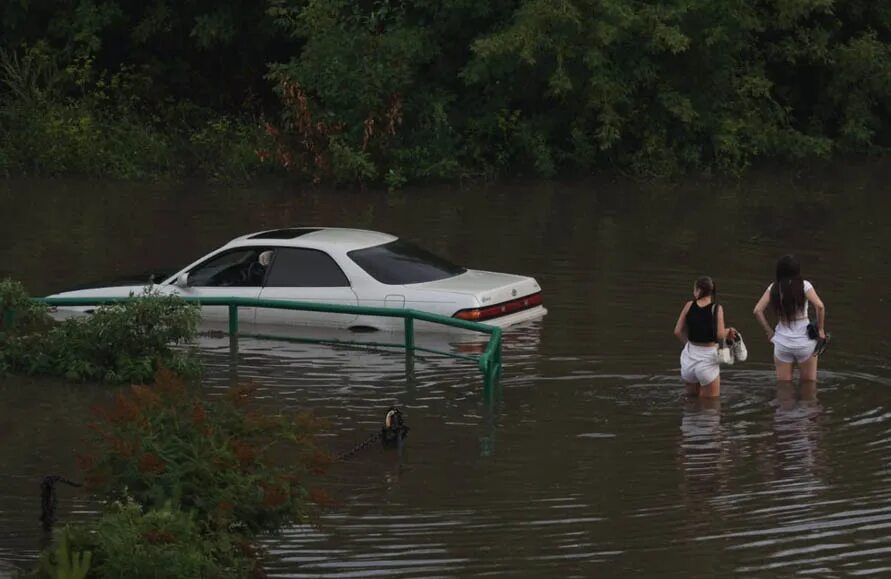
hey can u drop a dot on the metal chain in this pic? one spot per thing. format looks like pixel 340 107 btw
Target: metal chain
pixel 362 445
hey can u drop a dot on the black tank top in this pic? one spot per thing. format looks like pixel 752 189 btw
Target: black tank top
pixel 700 324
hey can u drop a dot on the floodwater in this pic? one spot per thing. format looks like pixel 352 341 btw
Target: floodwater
pixel 589 461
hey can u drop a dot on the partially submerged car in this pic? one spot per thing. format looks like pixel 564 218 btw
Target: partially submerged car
pixel 341 266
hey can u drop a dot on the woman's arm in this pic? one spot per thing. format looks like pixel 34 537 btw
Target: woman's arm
pixel 821 310
pixel 722 329
pixel 759 314
pixel 680 328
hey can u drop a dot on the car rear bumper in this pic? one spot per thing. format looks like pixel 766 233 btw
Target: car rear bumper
pixel 518 318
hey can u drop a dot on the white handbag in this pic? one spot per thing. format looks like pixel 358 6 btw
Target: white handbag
pixel 724 354
pixel 739 348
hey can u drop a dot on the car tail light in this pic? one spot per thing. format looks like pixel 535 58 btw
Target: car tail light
pixel 502 309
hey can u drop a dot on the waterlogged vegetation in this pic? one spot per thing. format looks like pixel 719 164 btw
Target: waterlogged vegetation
pixel 121 343
pixel 189 485
pixel 394 92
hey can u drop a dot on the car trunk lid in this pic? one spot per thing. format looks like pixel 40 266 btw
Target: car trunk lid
pixel 498 294
pixel 488 287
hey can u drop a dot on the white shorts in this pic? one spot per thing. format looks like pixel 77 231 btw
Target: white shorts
pixel 699 364
pixel 794 353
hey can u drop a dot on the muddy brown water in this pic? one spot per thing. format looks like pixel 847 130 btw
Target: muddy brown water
pixel 590 461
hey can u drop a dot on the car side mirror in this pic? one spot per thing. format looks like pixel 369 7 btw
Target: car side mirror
pixel 182 280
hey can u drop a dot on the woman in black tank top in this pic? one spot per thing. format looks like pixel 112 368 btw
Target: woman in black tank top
pixel 701 324
pixel 699 327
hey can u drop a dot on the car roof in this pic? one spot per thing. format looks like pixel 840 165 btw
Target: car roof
pixel 345 239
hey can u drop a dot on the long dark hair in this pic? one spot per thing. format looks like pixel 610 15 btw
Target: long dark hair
pixel 707 287
pixel 787 294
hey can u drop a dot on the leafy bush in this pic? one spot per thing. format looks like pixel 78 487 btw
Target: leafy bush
pixel 128 542
pixel 18 312
pixel 124 342
pixel 234 469
pixel 227 149
pixel 190 484
pixel 73 138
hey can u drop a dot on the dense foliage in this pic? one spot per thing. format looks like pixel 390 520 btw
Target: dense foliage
pixel 391 91
pixel 190 484
pixel 125 342
pixel 127 541
pixel 234 468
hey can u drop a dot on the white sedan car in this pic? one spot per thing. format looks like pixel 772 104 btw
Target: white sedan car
pixel 342 266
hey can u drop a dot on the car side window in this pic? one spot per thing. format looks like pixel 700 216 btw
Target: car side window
pixel 297 267
pixel 238 267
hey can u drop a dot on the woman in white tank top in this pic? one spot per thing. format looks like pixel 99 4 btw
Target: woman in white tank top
pixel 788 297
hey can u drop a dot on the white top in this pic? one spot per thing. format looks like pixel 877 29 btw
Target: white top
pixel 795 332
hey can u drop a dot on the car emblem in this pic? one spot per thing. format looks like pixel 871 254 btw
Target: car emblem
pixel 514 293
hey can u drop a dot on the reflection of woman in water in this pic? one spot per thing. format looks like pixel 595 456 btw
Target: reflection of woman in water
pixel 797 430
pixel 699 327
pixel 788 298
pixel 704 457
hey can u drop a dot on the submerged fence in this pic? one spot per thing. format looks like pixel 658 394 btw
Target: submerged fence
pixel 489 361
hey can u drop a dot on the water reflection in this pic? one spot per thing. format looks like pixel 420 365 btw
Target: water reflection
pixel 703 445
pixel 797 430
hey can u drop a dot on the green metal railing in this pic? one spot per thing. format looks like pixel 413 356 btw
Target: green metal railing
pixel 489 361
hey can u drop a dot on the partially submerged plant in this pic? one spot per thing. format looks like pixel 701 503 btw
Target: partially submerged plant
pixel 234 468
pixel 128 541
pixel 18 312
pixel 190 483
pixel 123 342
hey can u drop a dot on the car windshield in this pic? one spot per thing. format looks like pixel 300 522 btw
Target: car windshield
pixel 400 262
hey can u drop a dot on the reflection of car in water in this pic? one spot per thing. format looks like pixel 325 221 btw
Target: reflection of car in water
pixel 288 342
pixel 342 266
pixel 373 364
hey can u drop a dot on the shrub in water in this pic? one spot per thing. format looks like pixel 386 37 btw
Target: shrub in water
pixel 124 342
pixel 18 312
pixel 190 483
pixel 235 469
pixel 128 542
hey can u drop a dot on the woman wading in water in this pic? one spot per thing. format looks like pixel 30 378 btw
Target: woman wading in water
pixel 793 344
pixel 699 327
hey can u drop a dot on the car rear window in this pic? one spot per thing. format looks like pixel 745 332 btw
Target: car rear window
pixel 401 262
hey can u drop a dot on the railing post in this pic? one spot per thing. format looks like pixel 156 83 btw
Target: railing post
pixel 489 385
pixel 490 364
pixel 497 354
pixel 233 320
pixel 485 362
pixel 409 348
pixel 409 335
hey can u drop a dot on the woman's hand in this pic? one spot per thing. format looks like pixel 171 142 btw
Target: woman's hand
pixel 822 334
pixel 770 334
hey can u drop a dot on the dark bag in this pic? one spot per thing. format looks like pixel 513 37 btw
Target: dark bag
pixel 813 332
